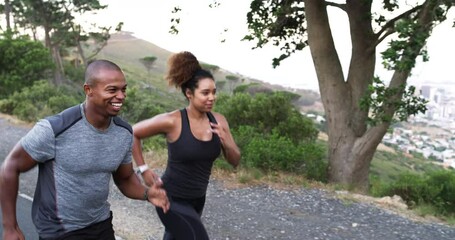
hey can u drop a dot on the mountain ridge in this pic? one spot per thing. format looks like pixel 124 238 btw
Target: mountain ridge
pixel 126 50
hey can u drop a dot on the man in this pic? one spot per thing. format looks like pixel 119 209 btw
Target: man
pixel 77 152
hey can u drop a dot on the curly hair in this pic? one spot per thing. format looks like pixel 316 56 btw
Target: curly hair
pixel 181 68
pixel 184 71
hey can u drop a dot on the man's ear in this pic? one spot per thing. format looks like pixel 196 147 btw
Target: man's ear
pixel 87 90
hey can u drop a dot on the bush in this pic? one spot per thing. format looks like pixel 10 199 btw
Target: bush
pixel 23 61
pixel 139 105
pixel 314 157
pixel 273 153
pixel 267 113
pixel 278 153
pixel 437 189
pixel 39 101
pixel 445 181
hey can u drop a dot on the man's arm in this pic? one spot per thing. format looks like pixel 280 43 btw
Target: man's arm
pixel 17 161
pixel 130 185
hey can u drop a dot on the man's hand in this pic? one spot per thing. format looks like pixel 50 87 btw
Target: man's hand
pixel 13 233
pixel 158 197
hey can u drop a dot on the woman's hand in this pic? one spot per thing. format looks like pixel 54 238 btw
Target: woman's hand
pixel 158 197
pixel 150 177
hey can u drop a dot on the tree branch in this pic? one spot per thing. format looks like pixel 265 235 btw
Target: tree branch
pixel 388 27
pixel 340 6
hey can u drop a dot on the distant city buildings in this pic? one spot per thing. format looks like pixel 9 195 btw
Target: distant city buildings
pixel 441 103
pixel 438 146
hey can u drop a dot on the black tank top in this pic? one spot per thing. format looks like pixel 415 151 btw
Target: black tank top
pixel 190 162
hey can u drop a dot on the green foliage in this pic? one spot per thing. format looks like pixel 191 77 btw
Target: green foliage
pixel 274 152
pixel 242 88
pixel 252 89
pixel 23 61
pixel 140 105
pixel 290 95
pixel 210 67
pixel 445 181
pixel 280 22
pixel 267 112
pixel 232 78
pixel 220 85
pixel 273 135
pixel 314 157
pixel 154 143
pixel 39 101
pixel 148 62
pixel 74 73
pixel 379 98
pixel 436 189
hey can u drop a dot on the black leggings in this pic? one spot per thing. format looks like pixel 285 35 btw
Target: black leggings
pixel 183 220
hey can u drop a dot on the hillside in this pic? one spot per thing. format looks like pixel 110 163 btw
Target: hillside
pixel 126 50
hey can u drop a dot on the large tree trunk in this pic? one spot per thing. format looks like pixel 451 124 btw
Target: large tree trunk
pixel 8 15
pixel 59 72
pixel 351 143
pixel 80 50
pixel 54 50
pixel 350 152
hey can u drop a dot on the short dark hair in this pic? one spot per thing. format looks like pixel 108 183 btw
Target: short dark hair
pixel 91 72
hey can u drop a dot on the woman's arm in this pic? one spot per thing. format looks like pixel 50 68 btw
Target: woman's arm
pixel 230 149
pixel 159 124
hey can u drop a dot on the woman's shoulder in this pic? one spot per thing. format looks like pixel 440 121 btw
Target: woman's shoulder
pixel 169 117
pixel 219 117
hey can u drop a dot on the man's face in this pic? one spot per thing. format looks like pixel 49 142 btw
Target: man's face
pixel 108 92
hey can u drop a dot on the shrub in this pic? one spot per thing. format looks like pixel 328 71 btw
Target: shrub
pixel 139 105
pixel 23 61
pixel 267 113
pixel 272 153
pixel 436 188
pixel 39 101
pixel 278 153
pixel 314 157
pixel 445 181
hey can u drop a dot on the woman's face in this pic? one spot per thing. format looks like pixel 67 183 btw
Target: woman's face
pixel 204 96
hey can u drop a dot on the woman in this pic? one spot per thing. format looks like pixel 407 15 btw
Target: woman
pixel 195 138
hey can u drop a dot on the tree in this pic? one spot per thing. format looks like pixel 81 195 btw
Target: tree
pixel 57 19
pixel 232 81
pixel 7 10
pixel 357 119
pixel 359 108
pixel 148 62
pixel 23 62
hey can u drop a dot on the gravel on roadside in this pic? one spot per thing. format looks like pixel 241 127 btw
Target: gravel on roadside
pixel 259 212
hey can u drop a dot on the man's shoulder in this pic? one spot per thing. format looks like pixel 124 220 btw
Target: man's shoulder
pixel 65 119
pixel 122 123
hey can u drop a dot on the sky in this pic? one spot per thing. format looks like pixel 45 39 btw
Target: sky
pixel 202 30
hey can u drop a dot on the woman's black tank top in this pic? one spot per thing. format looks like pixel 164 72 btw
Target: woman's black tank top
pixel 190 162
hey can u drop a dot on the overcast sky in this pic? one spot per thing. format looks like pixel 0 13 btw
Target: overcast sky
pixel 202 29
